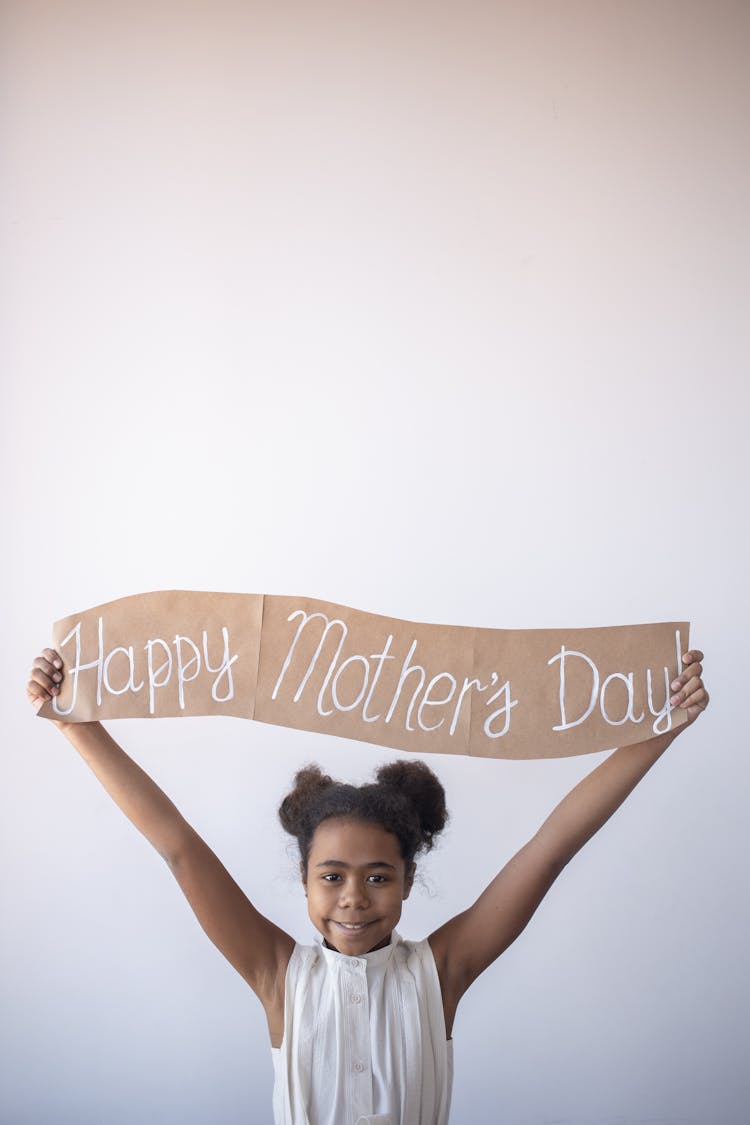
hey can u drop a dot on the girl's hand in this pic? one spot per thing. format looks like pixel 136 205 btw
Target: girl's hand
pixel 689 692
pixel 46 678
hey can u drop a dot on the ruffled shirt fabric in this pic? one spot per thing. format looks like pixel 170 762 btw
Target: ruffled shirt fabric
pixel 364 1039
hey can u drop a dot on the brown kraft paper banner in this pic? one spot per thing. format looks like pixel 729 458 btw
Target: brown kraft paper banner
pixel 318 666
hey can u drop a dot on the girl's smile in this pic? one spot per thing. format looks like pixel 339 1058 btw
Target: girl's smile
pixel 354 926
pixel 356 882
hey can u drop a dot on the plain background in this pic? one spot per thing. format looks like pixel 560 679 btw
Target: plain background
pixel 437 310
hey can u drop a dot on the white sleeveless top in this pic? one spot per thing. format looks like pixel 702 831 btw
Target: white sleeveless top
pixel 364 1039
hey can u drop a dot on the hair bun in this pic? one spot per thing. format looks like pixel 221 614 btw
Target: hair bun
pixel 309 783
pixel 407 799
pixel 421 787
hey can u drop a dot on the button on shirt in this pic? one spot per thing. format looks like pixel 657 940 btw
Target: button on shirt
pixel 364 1039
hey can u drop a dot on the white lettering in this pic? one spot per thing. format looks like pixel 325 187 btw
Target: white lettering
pixel 562 656
pixel 508 705
pixel 78 667
pixel 427 702
pixel 183 666
pixel 153 673
pixel 334 686
pixel 130 684
pixel 628 681
pixel 405 672
pixel 307 617
pixel 224 669
pixel 465 689
pixel 380 657
pixel 72 672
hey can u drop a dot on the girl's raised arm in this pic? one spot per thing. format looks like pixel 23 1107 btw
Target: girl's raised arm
pixel 468 943
pixel 257 948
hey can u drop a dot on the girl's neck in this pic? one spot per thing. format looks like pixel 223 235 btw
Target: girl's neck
pixel 381 945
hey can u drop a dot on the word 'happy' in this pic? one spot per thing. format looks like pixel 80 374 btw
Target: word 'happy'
pixel 181 656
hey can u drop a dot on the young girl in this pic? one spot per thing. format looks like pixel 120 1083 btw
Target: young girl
pixel 360 1024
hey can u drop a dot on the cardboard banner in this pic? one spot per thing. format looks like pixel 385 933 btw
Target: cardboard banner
pixel 318 666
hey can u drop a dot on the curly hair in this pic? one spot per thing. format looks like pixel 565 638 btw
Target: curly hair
pixel 406 799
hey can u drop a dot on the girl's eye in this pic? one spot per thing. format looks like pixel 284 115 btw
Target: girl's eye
pixel 334 877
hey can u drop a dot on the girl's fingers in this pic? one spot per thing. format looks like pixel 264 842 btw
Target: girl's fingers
pixel 697 698
pixel 697 705
pixel 46 676
pixel 685 690
pixel 692 667
pixel 47 667
pixel 40 680
pixel 693 672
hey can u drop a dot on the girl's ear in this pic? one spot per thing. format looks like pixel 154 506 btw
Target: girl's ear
pixel 409 879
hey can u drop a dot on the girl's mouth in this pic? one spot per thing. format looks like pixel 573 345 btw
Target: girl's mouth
pixel 350 927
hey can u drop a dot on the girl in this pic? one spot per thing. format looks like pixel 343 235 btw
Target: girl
pixel 360 1025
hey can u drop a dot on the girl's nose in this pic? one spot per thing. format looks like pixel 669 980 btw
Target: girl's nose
pixel 354 895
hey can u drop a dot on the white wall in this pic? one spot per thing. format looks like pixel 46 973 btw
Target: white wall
pixel 434 309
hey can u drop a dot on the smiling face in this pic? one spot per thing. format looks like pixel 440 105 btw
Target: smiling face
pixel 356 882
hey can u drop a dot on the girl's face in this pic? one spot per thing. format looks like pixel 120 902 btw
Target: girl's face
pixel 355 885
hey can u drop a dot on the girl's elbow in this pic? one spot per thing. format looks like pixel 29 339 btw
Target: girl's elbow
pixel 175 848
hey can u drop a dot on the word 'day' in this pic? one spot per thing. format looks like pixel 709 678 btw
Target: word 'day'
pixel 633 699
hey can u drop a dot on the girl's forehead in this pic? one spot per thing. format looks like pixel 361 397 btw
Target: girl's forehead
pixel 354 841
